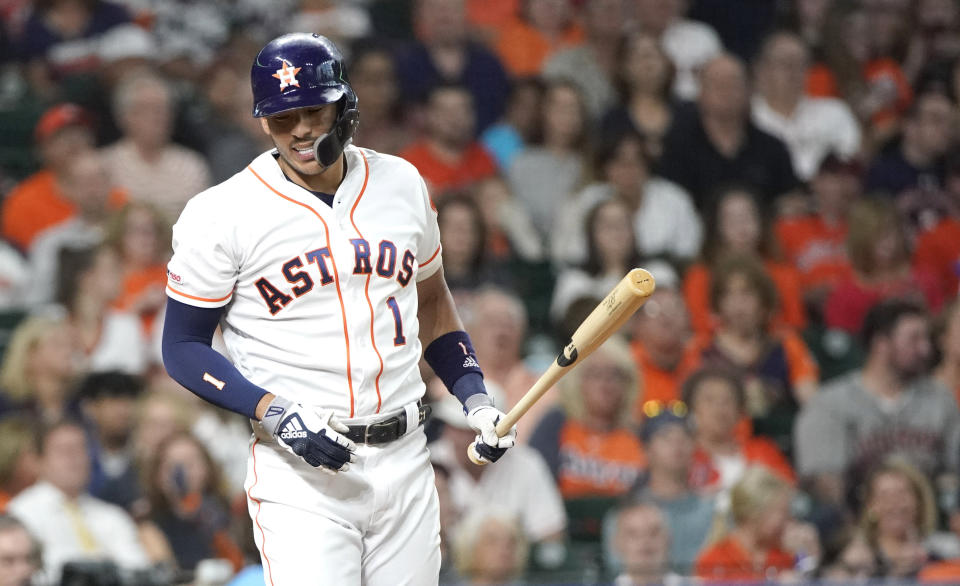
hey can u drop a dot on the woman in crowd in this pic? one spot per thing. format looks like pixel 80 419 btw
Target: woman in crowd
pixel 40 369
pixel 188 505
pixel 764 543
pixel 645 81
pixel 881 268
pixel 778 372
pixel 589 443
pixel 463 234
pixel 489 548
pixel 520 124
pixel 19 461
pixel 373 75
pixel 662 213
pixel 737 226
pixel 723 453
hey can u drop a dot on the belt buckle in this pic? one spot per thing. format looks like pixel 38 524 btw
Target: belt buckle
pixel 366 433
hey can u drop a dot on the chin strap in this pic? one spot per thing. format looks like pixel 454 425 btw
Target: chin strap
pixel 328 148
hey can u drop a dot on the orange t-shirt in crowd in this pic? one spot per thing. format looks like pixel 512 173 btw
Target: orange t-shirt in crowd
pixel 756 451
pixel 727 561
pixel 658 384
pixel 822 83
pixel 696 291
pixel 816 249
pixel 945 572
pixel 938 253
pixel 474 165
pixel 596 463
pixel 492 14
pixel 523 49
pixel 37 204
pixel 135 283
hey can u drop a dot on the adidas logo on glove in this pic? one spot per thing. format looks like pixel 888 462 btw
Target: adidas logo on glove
pixel 293 430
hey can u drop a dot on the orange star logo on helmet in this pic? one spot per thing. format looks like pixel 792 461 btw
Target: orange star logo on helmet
pixel 287 74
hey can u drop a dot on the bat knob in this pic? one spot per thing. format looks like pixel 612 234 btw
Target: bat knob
pixel 474 456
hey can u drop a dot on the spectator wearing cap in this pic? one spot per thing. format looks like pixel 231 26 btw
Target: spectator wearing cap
pixel 689 515
pixel 588 442
pixel 889 407
pixel 70 524
pixel 815 243
pixel 810 127
pixel 40 201
pixel 520 483
pixel 108 401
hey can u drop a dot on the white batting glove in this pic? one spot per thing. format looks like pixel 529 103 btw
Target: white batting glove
pixel 311 434
pixel 483 419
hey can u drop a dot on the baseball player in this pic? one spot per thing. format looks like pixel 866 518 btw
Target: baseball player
pixel 321 264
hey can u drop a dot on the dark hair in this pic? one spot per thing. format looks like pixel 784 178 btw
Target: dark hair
pixel 159 503
pixel 594 264
pixel 884 317
pixel 607 149
pixel 581 141
pixel 623 50
pixel 691 386
pixel 445 86
pixel 72 264
pixel 712 246
pixel 459 198
pixel 110 383
pixel 752 270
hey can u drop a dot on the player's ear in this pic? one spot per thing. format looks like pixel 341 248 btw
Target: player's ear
pixel 265 125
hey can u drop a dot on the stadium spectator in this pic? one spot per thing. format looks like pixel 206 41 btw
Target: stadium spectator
pixel 445 55
pixel 764 543
pixel 643 77
pixel 856 562
pixel 589 443
pixel 467 264
pixel 140 236
pixel 39 202
pixel 917 160
pixel 108 402
pixel 544 28
pixel 898 514
pixel 107 339
pixel 660 333
pixel 591 65
pixel 815 243
pixel 69 523
pixel 880 259
pixel 717 403
pixel 690 44
pixel 664 219
pixel 20 556
pixel 341 22
pixel 936 248
pixel 448 157
pixel 19 464
pixel 88 188
pixel 187 503
pixel 144 161
pixel 737 227
pixel 716 143
pixel 946 336
pixel 547 174
pixel 778 373
pixel 510 232
pixel 890 407
pixel 520 123
pixel 810 127
pixel 642 543
pixel 490 548
pixel 39 370
pixel 159 415
pixel 373 75
pixel 666 484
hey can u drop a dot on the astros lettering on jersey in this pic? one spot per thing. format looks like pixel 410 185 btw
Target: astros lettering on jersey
pixel 279 257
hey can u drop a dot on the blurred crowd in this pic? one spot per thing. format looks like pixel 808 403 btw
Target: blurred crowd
pixel 784 408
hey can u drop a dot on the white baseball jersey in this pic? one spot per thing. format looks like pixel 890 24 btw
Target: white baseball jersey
pixel 321 302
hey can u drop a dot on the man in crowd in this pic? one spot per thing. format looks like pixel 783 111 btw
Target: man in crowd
pixel 19 553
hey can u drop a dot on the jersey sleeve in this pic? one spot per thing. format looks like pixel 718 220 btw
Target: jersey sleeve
pixel 428 252
pixel 203 270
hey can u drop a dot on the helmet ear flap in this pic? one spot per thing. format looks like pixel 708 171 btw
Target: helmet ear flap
pixel 328 148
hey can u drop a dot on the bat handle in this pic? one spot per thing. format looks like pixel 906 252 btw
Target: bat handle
pixel 503 428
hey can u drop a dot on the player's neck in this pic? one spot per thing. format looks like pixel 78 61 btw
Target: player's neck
pixel 326 182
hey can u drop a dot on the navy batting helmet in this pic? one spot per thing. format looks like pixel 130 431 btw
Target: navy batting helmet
pixel 301 70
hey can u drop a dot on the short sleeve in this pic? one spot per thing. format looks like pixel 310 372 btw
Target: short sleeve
pixel 203 270
pixel 428 251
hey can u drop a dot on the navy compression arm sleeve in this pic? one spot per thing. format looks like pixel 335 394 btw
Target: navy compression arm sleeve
pixel 191 361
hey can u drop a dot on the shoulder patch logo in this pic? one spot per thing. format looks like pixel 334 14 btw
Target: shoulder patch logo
pixel 287 74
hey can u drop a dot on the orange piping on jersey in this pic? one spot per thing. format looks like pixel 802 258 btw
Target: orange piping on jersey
pixel 366 288
pixel 195 298
pixel 256 517
pixel 336 278
pixel 430 260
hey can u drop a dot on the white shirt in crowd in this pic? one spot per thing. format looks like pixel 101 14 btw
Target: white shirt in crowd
pixel 121 345
pixel 87 529
pixel 689 44
pixel 44 255
pixel 666 223
pixel 817 127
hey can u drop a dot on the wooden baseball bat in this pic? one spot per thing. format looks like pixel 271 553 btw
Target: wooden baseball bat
pixel 608 317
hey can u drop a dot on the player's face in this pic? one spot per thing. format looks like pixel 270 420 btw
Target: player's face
pixel 293 133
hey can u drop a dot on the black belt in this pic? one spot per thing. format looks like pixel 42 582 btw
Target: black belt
pixel 385 431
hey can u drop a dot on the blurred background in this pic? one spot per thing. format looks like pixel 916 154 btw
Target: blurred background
pixel 783 408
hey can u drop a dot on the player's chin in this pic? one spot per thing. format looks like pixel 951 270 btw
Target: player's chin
pixel 304 164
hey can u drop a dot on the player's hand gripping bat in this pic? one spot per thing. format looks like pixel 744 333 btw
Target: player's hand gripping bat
pixel 616 308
